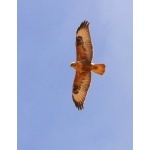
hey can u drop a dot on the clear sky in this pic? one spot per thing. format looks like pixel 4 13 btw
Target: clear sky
pixel 47 117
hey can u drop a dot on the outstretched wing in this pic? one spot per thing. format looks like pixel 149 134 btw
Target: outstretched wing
pixel 80 87
pixel 84 46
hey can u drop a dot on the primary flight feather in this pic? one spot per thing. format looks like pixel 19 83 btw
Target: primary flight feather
pixel 83 65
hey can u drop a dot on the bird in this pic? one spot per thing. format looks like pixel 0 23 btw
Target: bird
pixel 83 65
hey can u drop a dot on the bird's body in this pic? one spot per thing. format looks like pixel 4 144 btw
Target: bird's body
pixel 83 65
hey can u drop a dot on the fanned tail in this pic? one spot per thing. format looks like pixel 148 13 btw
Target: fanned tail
pixel 98 68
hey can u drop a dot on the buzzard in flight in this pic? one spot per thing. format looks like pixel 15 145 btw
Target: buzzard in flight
pixel 83 65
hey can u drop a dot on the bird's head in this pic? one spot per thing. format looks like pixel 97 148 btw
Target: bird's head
pixel 73 64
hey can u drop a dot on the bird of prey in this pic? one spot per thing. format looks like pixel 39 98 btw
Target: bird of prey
pixel 83 65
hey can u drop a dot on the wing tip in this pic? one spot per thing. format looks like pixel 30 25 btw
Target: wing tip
pixel 79 105
pixel 84 24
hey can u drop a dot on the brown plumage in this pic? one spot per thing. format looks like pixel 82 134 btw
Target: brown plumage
pixel 83 65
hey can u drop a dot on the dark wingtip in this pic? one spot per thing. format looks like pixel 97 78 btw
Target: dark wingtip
pixel 79 105
pixel 83 24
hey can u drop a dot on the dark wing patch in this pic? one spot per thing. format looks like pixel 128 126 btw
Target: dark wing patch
pixel 83 42
pixel 80 87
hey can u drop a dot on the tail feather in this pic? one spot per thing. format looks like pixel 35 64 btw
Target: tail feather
pixel 98 68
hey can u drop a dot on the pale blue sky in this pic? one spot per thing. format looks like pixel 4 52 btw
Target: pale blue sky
pixel 47 117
